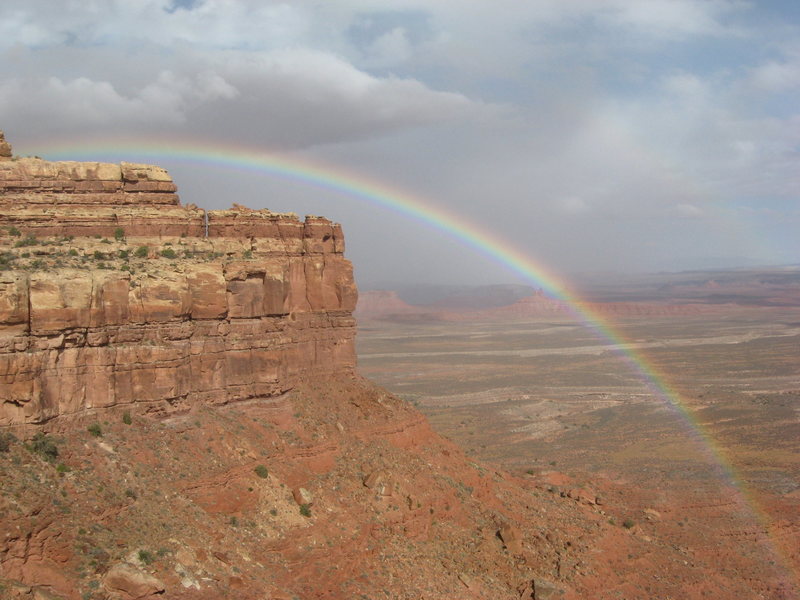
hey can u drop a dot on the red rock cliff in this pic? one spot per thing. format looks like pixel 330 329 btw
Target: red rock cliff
pixel 113 293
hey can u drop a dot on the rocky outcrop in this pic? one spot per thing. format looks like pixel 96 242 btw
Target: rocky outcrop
pixel 113 293
pixel 5 148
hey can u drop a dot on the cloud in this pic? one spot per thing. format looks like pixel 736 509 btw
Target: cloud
pixel 286 98
pixel 82 102
pixel 777 76
pixel 688 210
pixel 644 115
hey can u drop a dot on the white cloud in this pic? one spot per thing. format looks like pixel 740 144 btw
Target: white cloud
pixel 573 205
pixel 777 76
pixel 84 102
pixel 688 210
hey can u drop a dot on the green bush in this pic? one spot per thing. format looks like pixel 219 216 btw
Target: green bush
pixel 123 254
pixel 72 252
pixel 26 241
pixel 146 557
pixel 628 523
pixel 126 418
pixel 99 255
pixel 95 430
pixel 305 510
pixel 262 471
pixel 14 231
pixel 168 253
pixel 142 252
pixel 119 234
pixel 44 446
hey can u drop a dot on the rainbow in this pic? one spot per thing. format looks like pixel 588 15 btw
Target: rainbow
pixel 483 241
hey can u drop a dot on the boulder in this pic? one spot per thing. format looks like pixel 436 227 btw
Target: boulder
pixel 126 579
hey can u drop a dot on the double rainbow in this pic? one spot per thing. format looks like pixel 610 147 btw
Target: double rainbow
pixel 483 241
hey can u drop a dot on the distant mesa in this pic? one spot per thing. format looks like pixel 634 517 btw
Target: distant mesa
pixel 5 148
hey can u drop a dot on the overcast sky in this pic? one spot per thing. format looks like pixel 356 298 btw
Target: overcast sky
pixel 613 135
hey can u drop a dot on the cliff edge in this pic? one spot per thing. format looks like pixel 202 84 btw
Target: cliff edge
pixel 114 293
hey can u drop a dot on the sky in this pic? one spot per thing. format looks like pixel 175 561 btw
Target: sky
pixel 592 135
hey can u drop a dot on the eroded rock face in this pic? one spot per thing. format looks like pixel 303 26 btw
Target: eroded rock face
pixel 113 293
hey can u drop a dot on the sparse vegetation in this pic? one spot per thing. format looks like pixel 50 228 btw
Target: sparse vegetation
pixel 305 510
pixel 119 234
pixel 262 471
pixel 6 439
pixel 95 430
pixel 126 418
pixel 142 252
pixel 628 523
pixel 44 445
pixel 14 231
pixel 146 557
pixel 169 253
pixel 26 241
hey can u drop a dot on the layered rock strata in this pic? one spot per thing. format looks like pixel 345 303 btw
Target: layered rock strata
pixel 114 293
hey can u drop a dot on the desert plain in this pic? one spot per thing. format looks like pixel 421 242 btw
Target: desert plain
pixel 685 427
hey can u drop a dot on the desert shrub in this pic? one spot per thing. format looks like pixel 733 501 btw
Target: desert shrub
pixel 99 255
pixel 262 471
pixel 168 253
pixel 14 231
pixel 234 522
pixel 119 234
pixel 123 254
pixel 129 493
pixel 142 252
pixel 95 430
pixel 6 439
pixel 72 252
pixel 305 510
pixel 26 241
pixel 247 254
pixel 628 523
pixel 43 445
pixel 126 418
pixel 62 468
pixel 146 557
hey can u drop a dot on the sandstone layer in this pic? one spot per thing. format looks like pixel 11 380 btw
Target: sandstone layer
pixel 113 293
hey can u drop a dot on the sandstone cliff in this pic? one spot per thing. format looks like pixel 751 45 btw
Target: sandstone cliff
pixel 112 293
